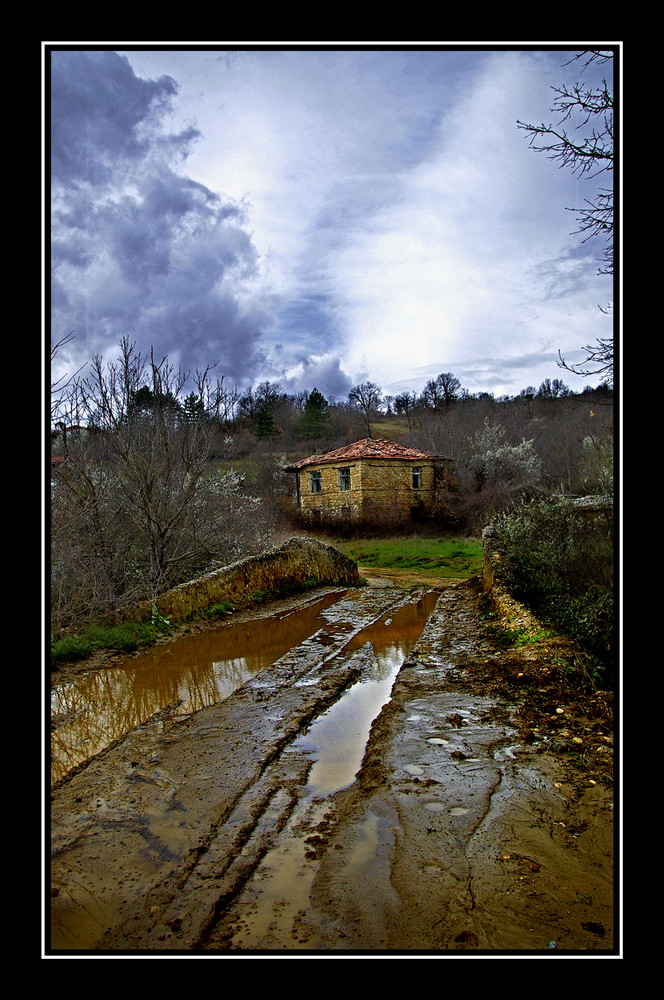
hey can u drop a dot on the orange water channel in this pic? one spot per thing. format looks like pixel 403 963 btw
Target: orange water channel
pixel 95 709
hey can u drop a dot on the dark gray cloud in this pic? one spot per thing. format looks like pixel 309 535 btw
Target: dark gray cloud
pixel 312 315
pixel 139 249
pixel 101 113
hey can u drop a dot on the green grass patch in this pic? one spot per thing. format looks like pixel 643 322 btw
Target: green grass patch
pixel 522 637
pixel 125 638
pixel 219 610
pixel 456 558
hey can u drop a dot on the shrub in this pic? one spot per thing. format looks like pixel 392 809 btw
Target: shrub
pixel 559 563
pixel 494 460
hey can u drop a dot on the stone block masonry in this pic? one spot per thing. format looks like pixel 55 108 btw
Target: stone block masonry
pixel 369 479
pixel 295 563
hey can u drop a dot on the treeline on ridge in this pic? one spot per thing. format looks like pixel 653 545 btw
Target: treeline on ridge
pixel 155 481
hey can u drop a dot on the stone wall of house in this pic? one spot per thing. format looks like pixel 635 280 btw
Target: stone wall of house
pixel 387 487
pixel 331 500
pixel 296 562
pixel 376 488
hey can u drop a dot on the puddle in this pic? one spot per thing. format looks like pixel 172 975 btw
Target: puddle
pixel 337 740
pixel 194 672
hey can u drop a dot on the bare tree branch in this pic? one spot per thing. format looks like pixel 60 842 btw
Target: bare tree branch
pixel 582 140
pixel 599 361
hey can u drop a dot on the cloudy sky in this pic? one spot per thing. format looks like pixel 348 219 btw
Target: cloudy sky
pixel 318 217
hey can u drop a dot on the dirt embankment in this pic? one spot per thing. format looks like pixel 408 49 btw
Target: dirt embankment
pixel 480 820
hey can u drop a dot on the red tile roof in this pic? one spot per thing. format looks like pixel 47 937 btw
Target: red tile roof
pixel 366 448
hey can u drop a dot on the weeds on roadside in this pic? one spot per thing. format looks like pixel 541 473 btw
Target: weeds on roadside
pixel 522 637
pixel 218 610
pixel 125 638
pixel 131 636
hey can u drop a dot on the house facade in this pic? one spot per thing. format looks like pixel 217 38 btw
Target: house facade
pixel 368 479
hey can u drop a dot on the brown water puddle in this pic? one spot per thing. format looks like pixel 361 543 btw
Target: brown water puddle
pixel 92 711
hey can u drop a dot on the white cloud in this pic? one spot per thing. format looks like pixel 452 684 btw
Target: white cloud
pixel 471 261
pixel 385 217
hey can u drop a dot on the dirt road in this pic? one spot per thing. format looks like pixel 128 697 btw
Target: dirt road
pixel 480 819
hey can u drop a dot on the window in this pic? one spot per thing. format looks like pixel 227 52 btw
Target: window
pixel 344 479
pixel 315 482
pixel 417 477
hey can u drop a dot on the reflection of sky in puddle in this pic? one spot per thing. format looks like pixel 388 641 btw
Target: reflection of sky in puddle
pixel 199 670
pixel 338 738
pixel 336 741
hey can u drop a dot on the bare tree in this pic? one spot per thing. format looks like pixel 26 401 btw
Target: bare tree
pixel 139 486
pixel 582 141
pixel 439 392
pixel 62 389
pixel 218 403
pixel 599 361
pixel 553 389
pixel 405 403
pixel 366 397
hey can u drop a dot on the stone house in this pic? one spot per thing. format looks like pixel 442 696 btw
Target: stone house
pixel 369 479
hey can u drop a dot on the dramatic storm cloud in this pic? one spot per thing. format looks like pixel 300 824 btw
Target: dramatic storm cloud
pixel 140 249
pixel 319 217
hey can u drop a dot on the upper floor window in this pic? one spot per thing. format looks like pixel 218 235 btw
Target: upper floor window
pixel 315 478
pixel 417 477
pixel 344 479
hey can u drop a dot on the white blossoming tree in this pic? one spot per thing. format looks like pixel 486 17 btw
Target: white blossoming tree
pixel 516 468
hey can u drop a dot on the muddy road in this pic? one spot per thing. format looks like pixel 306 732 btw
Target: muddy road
pixel 387 782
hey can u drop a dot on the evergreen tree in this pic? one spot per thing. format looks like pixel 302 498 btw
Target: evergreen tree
pixel 315 417
pixel 192 408
pixel 264 425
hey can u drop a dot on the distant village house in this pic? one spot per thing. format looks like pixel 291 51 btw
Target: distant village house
pixel 369 479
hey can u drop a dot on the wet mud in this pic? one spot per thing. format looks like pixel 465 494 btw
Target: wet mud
pixel 366 787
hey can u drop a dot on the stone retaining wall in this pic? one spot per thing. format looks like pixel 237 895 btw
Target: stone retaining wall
pixel 513 613
pixel 296 562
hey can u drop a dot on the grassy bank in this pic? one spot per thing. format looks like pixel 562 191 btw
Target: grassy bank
pixel 125 638
pixel 458 558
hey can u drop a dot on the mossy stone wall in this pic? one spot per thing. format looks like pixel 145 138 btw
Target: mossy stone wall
pixel 502 602
pixel 295 563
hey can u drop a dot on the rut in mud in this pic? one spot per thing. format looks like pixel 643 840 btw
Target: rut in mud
pixel 356 794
